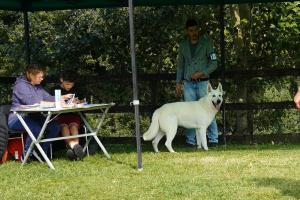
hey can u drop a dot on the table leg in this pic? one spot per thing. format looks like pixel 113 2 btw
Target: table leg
pixel 34 140
pixel 97 130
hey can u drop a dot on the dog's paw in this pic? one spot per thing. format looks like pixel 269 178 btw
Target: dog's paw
pixel 205 148
pixel 199 147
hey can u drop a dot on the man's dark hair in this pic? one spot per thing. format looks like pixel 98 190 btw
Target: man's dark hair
pixel 191 22
pixel 69 75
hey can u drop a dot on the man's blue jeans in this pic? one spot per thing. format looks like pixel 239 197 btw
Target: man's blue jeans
pixel 193 91
pixel 35 125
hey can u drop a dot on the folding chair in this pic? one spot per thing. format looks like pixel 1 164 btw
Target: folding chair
pixel 7 134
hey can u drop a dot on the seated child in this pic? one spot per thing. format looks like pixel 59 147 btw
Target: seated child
pixel 70 122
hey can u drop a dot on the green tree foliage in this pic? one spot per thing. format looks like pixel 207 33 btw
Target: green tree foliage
pixel 96 42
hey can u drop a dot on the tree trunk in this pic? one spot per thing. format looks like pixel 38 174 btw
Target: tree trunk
pixel 240 13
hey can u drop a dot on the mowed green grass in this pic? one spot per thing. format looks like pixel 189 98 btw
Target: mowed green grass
pixel 237 172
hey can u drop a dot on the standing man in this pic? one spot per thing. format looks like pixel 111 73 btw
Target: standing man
pixel 196 61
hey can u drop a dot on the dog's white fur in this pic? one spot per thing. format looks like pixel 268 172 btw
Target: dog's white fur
pixel 195 114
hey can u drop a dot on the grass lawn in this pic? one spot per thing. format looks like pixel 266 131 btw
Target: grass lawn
pixel 238 172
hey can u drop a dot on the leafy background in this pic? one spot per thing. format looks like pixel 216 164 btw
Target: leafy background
pixel 96 41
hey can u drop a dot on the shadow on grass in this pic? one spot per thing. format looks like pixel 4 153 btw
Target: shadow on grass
pixel 287 187
pixel 181 148
pixel 147 148
pixel 115 149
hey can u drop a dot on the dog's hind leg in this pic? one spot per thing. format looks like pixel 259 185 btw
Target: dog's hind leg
pixel 156 140
pixel 168 124
pixel 170 135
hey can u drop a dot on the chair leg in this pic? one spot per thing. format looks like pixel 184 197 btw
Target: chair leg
pixel 86 139
pixel 87 148
pixel 4 157
pixel 51 153
pixel 23 154
pixel 34 153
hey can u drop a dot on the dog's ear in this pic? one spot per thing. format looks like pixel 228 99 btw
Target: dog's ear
pixel 209 88
pixel 220 87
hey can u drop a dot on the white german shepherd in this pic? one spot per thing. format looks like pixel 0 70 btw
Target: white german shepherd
pixel 195 114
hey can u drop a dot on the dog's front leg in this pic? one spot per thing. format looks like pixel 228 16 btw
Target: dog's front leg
pixel 203 138
pixel 198 138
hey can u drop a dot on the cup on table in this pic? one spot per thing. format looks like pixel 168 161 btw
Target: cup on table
pixel 57 98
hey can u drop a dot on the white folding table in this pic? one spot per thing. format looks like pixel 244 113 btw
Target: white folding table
pixel 51 114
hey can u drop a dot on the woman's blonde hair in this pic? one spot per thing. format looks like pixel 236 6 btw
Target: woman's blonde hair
pixel 33 69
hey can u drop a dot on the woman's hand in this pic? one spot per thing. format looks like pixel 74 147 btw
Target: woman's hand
pixel 66 96
pixel 77 101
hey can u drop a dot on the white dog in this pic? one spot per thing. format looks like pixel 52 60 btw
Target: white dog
pixel 195 114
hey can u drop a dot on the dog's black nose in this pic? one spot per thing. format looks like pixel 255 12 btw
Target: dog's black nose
pixel 218 101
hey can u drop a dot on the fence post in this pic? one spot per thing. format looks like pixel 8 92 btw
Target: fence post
pixel 26 37
pixel 249 100
pixel 222 47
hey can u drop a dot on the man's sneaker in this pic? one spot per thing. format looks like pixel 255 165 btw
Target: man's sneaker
pixel 78 151
pixel 71 155
pixel 212 144
pixel 189 145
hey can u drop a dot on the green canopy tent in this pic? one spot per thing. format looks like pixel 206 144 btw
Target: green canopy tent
pixel 45 5
pixel 39 5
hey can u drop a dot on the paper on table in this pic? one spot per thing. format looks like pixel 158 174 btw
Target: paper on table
pixel 46 104
pixel 70 101
pixel 30 106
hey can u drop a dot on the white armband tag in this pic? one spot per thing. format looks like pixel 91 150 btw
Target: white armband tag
pixel 212 56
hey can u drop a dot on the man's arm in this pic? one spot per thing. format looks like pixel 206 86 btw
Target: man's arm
pixel 180 66
pixel 179 71
pixel 212 59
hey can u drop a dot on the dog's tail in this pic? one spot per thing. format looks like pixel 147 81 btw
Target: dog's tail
pixel 153 129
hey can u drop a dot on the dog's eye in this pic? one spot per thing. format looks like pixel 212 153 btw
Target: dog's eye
pixel 214 95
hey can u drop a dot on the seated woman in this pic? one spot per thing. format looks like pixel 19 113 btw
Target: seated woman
pixel 27 91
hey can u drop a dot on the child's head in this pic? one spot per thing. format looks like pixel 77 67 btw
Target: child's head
pixel 68 79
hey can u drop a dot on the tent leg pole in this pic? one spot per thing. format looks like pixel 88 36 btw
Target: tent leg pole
pixel 135 88
pixel 222 47
pixel 26 37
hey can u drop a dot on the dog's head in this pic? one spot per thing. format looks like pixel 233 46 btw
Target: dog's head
pixel 216 96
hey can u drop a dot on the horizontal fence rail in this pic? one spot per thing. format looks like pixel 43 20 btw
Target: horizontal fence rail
pixel 229 74
pixel 229 106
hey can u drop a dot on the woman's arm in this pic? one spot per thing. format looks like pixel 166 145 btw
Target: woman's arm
pixel 22 94
pixel 47 96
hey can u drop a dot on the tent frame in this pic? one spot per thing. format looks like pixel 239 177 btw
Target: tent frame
pixel 135 101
